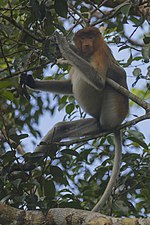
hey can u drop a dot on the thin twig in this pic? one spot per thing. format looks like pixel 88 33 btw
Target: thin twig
pixel 96 8
pixel 5 59
pixel 25 71
pixel 79 14
pixel 111 13
pixel 133 42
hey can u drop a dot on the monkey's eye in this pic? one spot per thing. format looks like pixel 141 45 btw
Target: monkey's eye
pixel 82 37
pixel 90 37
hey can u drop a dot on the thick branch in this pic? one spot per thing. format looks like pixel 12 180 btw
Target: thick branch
pixel 59 216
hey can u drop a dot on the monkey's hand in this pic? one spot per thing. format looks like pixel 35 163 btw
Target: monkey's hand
pixel 27 80
pixel 89 73
pixel 63 46
pixel 69 52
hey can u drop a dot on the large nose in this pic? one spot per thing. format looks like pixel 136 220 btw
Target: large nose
pixel 87 42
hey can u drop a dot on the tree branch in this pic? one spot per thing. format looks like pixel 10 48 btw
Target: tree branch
pixel 20 27
pixel 59 216
pixel 25 71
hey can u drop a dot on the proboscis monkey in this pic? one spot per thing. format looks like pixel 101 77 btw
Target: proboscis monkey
pixel 91 62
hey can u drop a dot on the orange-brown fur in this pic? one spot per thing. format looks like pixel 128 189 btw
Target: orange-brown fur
pixel 100 57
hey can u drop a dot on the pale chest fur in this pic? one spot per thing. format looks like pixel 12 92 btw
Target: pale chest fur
pixel 88 98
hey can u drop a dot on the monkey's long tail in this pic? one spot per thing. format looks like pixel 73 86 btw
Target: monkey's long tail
pixel 115 172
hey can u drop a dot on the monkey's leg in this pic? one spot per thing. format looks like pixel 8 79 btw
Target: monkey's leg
pixel 71 129
pixel 111 117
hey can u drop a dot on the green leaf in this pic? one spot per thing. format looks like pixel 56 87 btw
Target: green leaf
pixel 141 20
pixel 61 7
pixel 138 141
pixel 34 158
pixel 8 157
pixel 17 138
pixel 117 39
pixel 146 40
pixel 22 136
pixel 126 9
pixel 71 99
pixel 123 47
pixel 70 152
pixel 69 108
pixel 60 27
pixel 136 134
pixel 5 84
pixel 137 137
pixel 57 173
pixel 49 189
pixel 129 61
pixel 7 95
pixel 17 182
pixel 137 72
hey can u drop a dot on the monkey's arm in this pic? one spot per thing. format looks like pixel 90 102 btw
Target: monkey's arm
pixel 61 87
pixel 118 74
pixel 89 73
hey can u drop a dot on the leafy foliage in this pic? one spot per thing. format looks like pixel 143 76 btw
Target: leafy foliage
pixel 75 176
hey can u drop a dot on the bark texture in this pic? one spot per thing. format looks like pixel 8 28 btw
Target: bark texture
pixel 62 216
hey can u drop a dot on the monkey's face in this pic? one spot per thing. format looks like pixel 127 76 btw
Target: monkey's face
pixel 87 46
pixel 86 40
